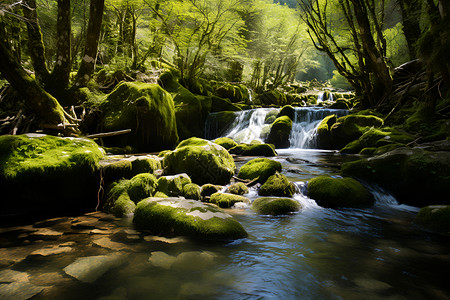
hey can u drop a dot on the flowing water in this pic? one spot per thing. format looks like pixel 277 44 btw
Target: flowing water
pixel 317 253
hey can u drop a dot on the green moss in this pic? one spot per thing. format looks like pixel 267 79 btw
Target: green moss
pixel 175 217
pixel 159 194
pixel 280 132
pixel 117 169
pixel 173 185
pixel 193 141
pixel 209 163
pixel 145 165
pixel 339 192
pixel 50 168
pixel 275 206
pixel 225 142
pixel 141 186
pixel 277 185
pixel 261 168
pixel 288 111
pixel 192 191
pixel 147 110
pixel 238 188
pixel 324 131
pixel 224 200
pixel 271 116
pixel 254 150
pixel 123 206
pixel 434 217
pixel 209 189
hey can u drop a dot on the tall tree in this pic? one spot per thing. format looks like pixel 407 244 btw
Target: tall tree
pixel 351 33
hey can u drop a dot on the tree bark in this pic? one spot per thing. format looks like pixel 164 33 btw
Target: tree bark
pixel 45 106
pixel 411 10
pixel 90 51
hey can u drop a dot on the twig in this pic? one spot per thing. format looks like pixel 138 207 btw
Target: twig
pixel 246 182
pixel 108 134
pixel 17 121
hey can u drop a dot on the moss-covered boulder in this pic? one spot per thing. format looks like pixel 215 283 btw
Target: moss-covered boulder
pixel 141 186
pixel 47 174
pixel 188 108
pixel 280 132
pixel 209 189
pixel 288 111
pixel 147 110
pixel 238 188
pixel 277 185
pixel 415 176
pixel 272 97
pixel 225 200
pixel 208 163
pixel 180 217
pixel 119 167
pixel 339 192
pixel 375 137
pixel 275 206
pixel 271 116
pixel 261 168
pixel 435 218
pixel 173 185
pixel 192 191
pixel 324 132
pixel 217 124
pixel 212 104
pixel 123 206
pixel 253 150
pixel 225 142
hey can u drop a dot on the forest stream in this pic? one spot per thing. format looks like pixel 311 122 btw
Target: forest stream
pixel 316 253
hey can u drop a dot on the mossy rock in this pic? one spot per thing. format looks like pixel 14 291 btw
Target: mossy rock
pixel 145 164
pixel 261 168
pixel 159 194
pixel 180 217
pixel 280 132
pixel 218 123
pixel 375 137
pixel 271 116
pixel 253 150
pixel 324 131
pixel 147 110
pixel 192 191
pixel 38 171
pixel 415 176
pixel 123 206
pixel 339 192
pixel 125 168
pixel 275 206
pixel 173 185
pixel 193 141
pixel 340 103
pixel 272 97
pixel 288 111
pixel 209 163
pixel 277 185
pixel 214 104
pixel 225 200
pixel 238 188
pixel 435 218
pixel 209 189
pixel 142 186
pixel 225 142
pixel 349 128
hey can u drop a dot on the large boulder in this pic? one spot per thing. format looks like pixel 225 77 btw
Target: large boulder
pixel 42 174
pixel 253 150
pixel 180 217
pixel 435 218
pixel 261 168
pixel 225 200
pixel 335 133
pixel 202 160
pixel 415 176
pixel 147 110
pixel 339 192
pixel 277 185
pixel 225 142
pixel 280 132
pixel 188 107
pixel 275 206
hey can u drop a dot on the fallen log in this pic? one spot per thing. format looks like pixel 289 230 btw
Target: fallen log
pixel 108 134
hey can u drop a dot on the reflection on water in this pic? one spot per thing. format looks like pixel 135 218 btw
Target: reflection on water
pixel 317 253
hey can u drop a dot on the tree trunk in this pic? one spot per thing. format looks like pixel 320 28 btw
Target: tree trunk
pixel 411 10
pixel 45 106
pixel 59 79
pixel 90 51
pixel 35 43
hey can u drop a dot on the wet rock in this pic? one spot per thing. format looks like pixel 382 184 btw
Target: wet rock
pixel 19 290
pixel 173 185
pixel 435 218
pixel 180 217
pixel 253 150
pixel 275 206
pixel 50 251
pixel 89 269
pixel 238 188
pixel 49 222
pixel 261 168
pixel 277 185
pixel 107 243
pixel 280 131
pixel 8 276
pixel 45 234
pixel 225 200
pixel 190 260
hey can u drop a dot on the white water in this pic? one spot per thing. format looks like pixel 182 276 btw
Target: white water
pixel 249 125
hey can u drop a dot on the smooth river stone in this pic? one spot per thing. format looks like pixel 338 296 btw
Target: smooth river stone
pixel 89 269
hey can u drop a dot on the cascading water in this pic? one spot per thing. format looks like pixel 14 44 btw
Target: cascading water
pixel 250 125
pixel 304 127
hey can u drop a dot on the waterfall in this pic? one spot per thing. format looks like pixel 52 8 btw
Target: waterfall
pixel 249 125
pixel 305 123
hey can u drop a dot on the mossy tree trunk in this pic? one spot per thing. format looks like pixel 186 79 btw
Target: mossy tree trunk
pixel 411 11
pixel 45 106
pixel 93 35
